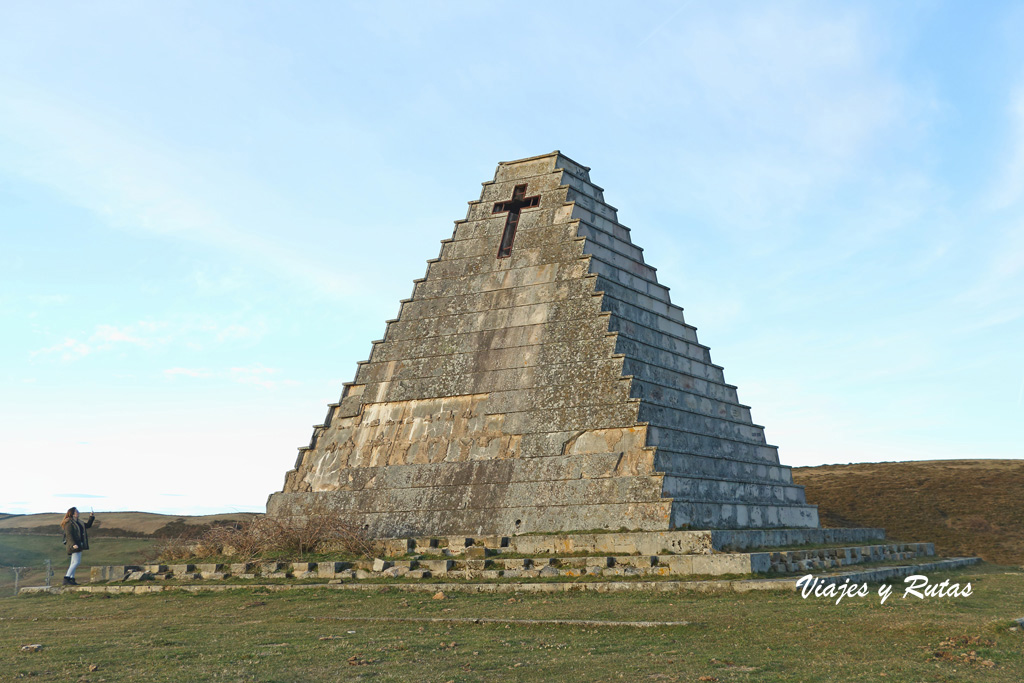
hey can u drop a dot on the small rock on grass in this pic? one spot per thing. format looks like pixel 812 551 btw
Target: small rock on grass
pixel 439 595
pixel 35 647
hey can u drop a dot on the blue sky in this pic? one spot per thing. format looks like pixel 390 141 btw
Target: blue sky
pixel 208 211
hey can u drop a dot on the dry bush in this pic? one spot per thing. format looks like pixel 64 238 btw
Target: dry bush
pixel 173 549
pixel 314 527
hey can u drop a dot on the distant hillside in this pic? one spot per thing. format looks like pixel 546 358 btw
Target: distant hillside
pixel 966 507
pixel 132 523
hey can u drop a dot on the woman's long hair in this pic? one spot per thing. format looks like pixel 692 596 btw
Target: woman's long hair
pixel 68 516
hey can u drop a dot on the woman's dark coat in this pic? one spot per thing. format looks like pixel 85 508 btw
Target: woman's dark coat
pixel 76 534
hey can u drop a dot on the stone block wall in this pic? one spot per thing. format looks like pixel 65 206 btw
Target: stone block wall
pixel 554 389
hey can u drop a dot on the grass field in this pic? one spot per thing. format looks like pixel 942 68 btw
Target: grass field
pixel 325 635
pixel 29 550
pixel 965 507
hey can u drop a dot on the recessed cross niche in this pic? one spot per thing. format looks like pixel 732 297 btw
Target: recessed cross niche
pixel 518 202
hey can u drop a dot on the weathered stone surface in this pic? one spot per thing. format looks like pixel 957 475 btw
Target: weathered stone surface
pixel 438 566
pixel 557 388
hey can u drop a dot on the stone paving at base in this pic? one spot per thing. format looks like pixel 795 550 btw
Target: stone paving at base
pixel 627 560
pixel 874 575
pixel 478 562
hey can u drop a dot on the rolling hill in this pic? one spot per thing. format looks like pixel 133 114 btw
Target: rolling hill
pixel 144 523
pixel 966 507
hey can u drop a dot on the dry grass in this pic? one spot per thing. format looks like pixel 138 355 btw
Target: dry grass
pixel 966 507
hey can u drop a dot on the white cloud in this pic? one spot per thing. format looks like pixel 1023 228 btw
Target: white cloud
pixel 239 332
pixel 256 374
pixel 194 332
pixel 69 349
pixel 109 334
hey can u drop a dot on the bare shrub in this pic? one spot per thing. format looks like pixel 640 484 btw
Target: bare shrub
pixel 173 549
pixel 315 527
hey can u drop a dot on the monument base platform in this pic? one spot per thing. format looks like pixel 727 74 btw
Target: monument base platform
pixel 687 542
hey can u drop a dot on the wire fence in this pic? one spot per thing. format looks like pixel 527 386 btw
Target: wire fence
pixel 36 575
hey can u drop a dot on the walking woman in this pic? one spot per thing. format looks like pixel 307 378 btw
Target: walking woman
pixel 77 539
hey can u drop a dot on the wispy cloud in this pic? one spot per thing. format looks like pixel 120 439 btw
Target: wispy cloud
pixel 138 182
pixel 256 374
pixel 193 332
pixel 69 349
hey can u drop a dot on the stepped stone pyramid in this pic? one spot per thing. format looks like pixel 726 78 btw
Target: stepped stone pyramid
pixel 541 380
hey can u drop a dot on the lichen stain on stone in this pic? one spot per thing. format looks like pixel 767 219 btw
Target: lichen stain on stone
pixel 448 429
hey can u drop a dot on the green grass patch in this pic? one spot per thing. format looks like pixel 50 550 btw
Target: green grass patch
pixel 317 635
pixel 32 551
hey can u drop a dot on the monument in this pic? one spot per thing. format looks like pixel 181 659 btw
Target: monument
pixel 540 379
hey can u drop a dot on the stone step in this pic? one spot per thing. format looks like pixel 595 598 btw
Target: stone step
pixel 520 258
pixel 493 319
pixel 565 492
pixel 661 350
pixel 491 280
pixel 716 467
pixel 639 542
pixel 458 303
pixel 601 222
pixel 681 397
pixel 481 566
pixel 601 585
pixel 690 488
pixel 701 425
pixel 527 515
pixel 624 276
pixel 588 327
pixel 536 229
pixel 651 320
pixel 653 305
pixel 678 441
pixel 620 254
pixel 727 514
pixel 609 240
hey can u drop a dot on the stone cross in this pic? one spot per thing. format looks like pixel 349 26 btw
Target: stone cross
pixel 518 202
